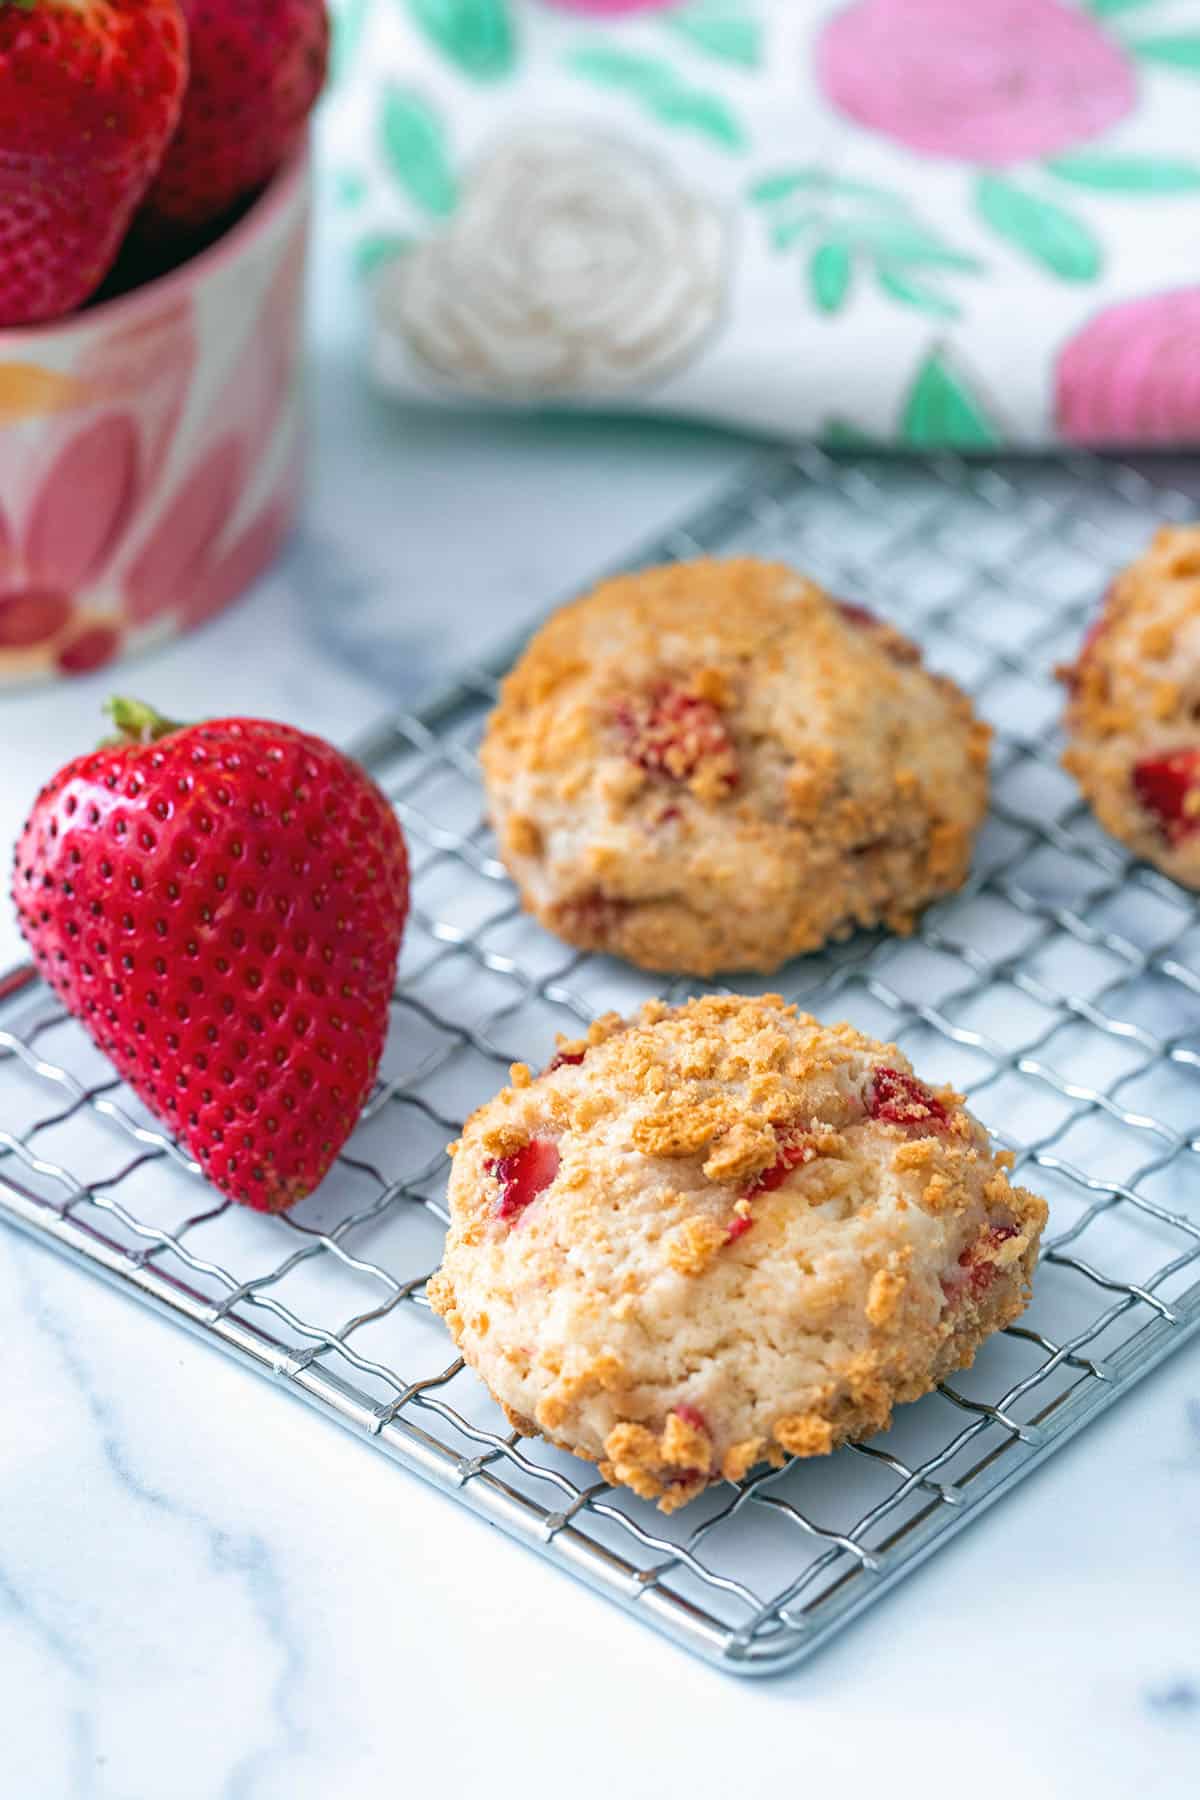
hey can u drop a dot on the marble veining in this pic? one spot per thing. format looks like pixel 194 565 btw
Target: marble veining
pixel 231 1562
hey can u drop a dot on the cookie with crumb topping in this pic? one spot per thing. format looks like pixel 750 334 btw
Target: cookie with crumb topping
pixel 723 1234
pixel 714 765
pixel 1133 712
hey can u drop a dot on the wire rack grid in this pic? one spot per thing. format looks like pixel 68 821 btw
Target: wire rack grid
pixel 1059 989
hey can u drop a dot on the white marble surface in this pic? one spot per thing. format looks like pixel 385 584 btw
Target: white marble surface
pixel 206 1594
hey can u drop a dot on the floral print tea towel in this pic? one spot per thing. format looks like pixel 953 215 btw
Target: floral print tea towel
pixel 972 223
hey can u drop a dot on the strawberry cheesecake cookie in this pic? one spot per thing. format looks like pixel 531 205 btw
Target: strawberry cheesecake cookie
pixel 723 1234
pixel 714 765
pixel 1133 716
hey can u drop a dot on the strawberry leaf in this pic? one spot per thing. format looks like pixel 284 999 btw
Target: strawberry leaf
pixel 414 149
pixel 476 35
pixel 1046 233
pixel 942 412
pixel 1127 174
pixel 137 722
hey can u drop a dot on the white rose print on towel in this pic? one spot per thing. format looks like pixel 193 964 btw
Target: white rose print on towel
pixel 575 265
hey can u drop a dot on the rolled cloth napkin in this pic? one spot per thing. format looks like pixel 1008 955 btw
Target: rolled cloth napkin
pixel 971 223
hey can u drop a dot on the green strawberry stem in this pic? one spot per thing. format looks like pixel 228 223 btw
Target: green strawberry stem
pixel 138 723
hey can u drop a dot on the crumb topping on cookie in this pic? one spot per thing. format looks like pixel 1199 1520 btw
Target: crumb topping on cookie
pixel 715 765
pixel 723 1233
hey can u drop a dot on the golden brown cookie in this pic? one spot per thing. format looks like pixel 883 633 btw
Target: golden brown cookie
pixel 1133 715
pixel 722 1234
pixel 714 765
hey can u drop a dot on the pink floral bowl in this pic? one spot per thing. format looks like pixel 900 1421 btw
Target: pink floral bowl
pixel 150 449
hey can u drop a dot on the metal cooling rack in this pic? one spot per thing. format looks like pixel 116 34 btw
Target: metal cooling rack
pixel 1060 989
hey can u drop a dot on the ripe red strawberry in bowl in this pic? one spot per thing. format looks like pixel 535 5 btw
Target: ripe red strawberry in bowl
pixel 90 93
pixel 222 906
pixel 257 67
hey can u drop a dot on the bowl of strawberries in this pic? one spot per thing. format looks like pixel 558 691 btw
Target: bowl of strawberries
pixel 154 197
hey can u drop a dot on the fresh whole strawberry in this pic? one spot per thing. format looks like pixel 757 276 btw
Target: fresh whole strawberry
pixel 257 67
pixel 90 92
pixel 222 906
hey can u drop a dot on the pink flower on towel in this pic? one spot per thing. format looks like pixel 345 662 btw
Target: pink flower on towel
pixel 989 81
pixel 1132 374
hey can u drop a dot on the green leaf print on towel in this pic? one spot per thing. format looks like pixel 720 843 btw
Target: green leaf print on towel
pixel 661 91
pixel 941 411
pixel 477 35
pixel 1047 233
pixel 348 188
pixel 1109 9
pixel 1127 174
pixel 788 183
pixel 848 225
pixel 1176 52
pixel 377 249
pixel 349 17
pixel 414 148
pixel 720 28
pixel 843 434
pixel 916 294
pixel 829 275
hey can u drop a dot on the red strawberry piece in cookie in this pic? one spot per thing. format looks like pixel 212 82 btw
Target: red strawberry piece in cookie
pixel 1169 789
pixel 978 1265
pixel 794 1152
pixel 796 1149
pixel 899 1099
pixel 591 919
pixel 673 734
pixel 854 614
pixel 524 1175
pixel 980 1260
